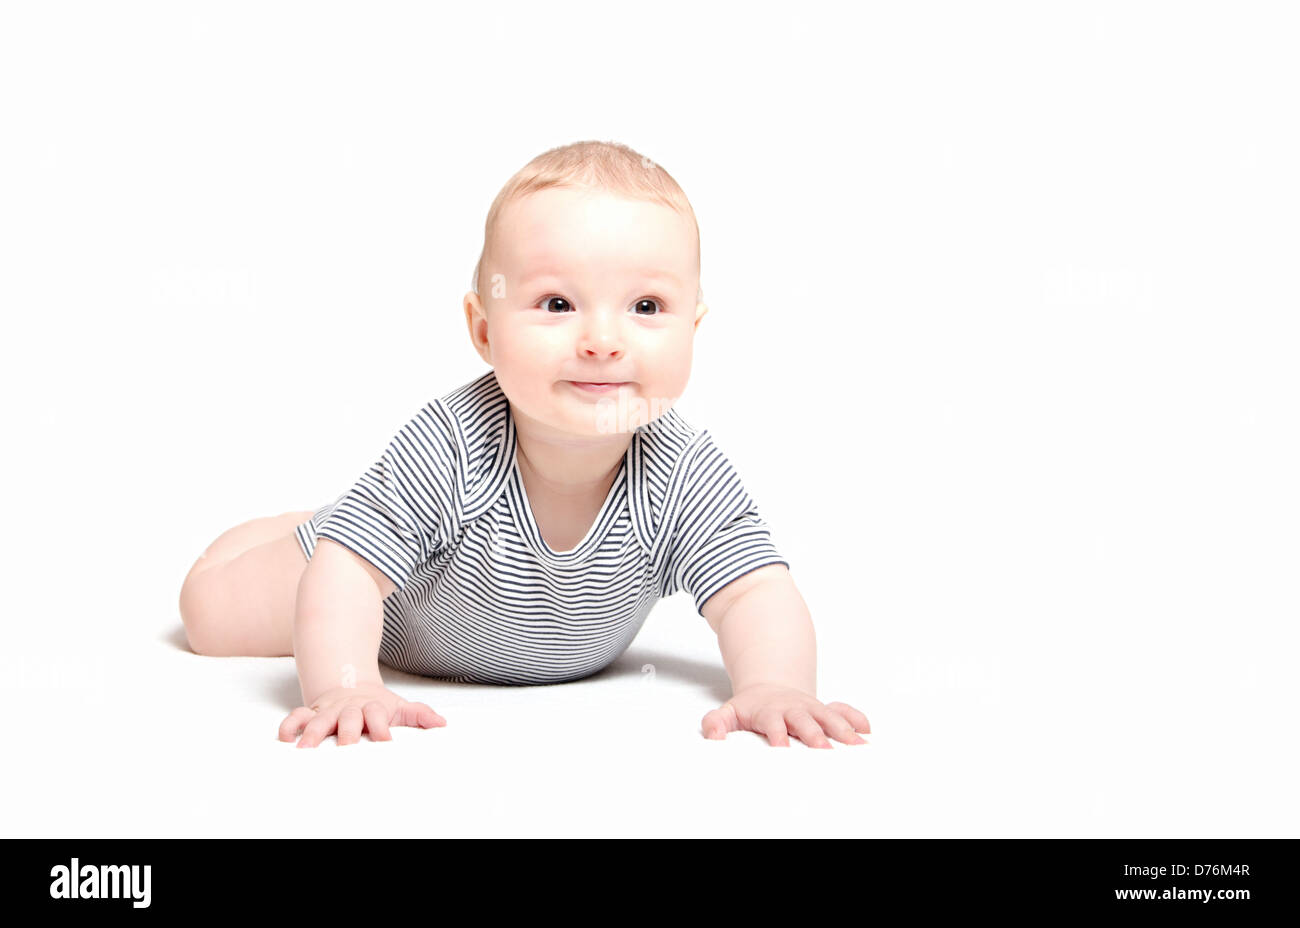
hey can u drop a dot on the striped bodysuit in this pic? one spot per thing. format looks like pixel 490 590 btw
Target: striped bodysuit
pixel 481 597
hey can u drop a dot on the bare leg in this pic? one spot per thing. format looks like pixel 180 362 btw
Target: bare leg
pixel 239 597
pixel 234 542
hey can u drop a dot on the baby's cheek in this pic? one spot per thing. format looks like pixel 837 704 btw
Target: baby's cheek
pixel 670 378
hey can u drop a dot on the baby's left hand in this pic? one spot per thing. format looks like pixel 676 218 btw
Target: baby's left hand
pixel 770 710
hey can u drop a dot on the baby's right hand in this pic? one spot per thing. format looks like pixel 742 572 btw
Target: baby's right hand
pixel 349 709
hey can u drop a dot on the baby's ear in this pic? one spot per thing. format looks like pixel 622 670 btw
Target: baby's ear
pixel 476 323
pixel 701 310
pixel 472 306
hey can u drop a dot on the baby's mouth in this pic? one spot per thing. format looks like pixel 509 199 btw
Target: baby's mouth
pixel 595 387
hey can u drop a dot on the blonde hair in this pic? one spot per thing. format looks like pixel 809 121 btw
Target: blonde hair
pixel 609 166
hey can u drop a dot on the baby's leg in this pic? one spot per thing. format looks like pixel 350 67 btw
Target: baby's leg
pixel 239 597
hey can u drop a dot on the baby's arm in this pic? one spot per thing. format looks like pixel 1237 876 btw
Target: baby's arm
pixel 338 622
pixel 772 638
pixel 769 648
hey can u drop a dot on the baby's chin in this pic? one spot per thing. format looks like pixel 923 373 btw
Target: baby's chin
pixel 627 414
pixel 591 414
pixel 602 420
pixel 604 416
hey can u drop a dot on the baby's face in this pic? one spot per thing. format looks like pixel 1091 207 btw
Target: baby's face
pixel 586 286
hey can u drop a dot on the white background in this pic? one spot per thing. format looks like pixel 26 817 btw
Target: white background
pixel 1003 339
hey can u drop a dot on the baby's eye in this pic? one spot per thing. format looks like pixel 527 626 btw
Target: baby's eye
pixel 564 304
pixel 651 303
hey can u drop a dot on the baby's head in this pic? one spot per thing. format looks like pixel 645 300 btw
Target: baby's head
pixel 590 272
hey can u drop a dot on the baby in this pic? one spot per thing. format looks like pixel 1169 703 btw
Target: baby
pixel 519 529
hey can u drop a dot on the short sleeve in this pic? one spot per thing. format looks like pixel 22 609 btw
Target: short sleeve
pixel 719 534
pixel 394 516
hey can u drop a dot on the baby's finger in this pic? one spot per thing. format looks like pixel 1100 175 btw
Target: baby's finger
pixel 376 714
pixel 771 722
pixel 717 722
pixel 858 720
pixel 294 722
pixel 806 727
pixel 836 725
pixel 350 722
pixel 417 714
pixel 319 728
